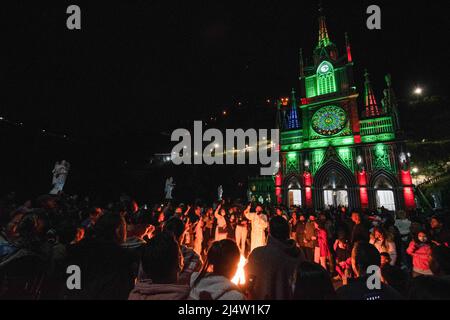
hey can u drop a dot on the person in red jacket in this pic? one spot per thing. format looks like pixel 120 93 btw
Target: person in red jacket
pixel 420 251
pixel 322 239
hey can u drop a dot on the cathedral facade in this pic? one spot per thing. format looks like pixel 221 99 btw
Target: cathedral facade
pixel 340 147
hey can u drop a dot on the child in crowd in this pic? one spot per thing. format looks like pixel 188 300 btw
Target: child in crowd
pixel 343 255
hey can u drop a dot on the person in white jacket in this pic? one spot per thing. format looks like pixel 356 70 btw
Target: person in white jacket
pixel 403 225
pixel 259 223
pixel 221 229
pixel 241 231
pixel 213 282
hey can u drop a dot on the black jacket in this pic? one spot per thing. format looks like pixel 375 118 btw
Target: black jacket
pixel 358 290
pixel 271 269
pixel 359 233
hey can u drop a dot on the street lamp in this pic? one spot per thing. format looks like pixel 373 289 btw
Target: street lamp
pixel 418 91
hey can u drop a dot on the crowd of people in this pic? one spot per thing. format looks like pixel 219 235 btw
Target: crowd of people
pixel 193 251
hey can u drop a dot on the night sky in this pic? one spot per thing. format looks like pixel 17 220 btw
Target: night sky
pixel 139 68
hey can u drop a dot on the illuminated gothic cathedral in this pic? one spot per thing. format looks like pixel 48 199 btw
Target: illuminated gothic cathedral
pixel 337 148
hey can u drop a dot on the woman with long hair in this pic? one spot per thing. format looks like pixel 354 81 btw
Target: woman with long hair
pixel 213 282
pixel 221 229
pixel 383 243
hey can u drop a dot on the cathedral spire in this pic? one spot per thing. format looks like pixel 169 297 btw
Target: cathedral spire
pixel 324 39
pixel 325 49
pixel 369 98
pixel 302 64
pixel 293 120
pixel 293 98
pixel 348 48
pixel 278 123
pixel 390 102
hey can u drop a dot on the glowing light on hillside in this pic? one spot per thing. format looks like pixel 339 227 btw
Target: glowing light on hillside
pixel 418 91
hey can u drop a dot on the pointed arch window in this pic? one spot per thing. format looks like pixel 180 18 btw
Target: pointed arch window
pixel 293 122
pixel 326 81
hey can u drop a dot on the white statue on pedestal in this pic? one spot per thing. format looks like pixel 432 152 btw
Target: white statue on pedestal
pixel 169 188
pixel 437 200
pixel 220 192
pixel 60 172
pixel 249 195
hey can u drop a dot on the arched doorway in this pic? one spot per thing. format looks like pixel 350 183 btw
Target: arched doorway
pixel 334 185
pixel 384 191
pixel 335 190
pixel 293 191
